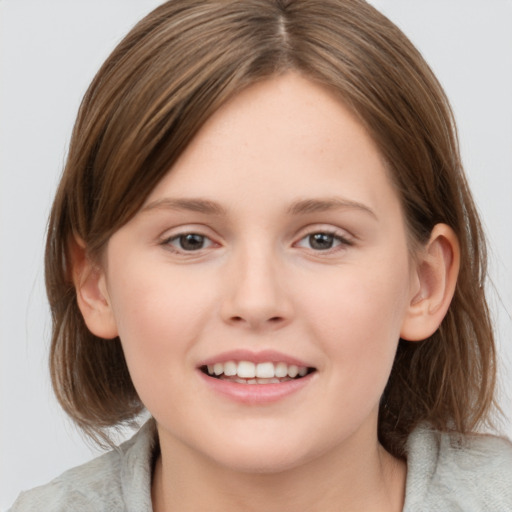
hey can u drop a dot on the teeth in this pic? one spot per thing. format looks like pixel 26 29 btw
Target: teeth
pixel 293 371
pixel 265 370
pixel 269 381
pixel 246 370
pixel 250 373
pixel 230 368
pixel 281 370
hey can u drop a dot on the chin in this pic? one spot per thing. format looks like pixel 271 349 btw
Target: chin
pixel 261 458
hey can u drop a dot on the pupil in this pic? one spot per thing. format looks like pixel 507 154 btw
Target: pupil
pixel 191 242
pixel 321 241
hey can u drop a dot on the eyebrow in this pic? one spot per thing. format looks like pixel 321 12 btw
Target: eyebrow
pixel 330 203
pixel 195 205
pixel 300 207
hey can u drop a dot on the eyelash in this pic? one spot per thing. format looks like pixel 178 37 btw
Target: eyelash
pixel 336 237
pixel 343 241
pixel 179 237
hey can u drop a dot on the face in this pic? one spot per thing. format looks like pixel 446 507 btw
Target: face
pixel 260 292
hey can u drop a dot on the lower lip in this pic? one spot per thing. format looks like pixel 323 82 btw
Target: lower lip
pixel 255 394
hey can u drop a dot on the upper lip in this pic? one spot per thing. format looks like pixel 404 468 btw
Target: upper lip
pixel 262 356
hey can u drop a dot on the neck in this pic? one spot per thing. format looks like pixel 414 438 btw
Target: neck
pixel 370 480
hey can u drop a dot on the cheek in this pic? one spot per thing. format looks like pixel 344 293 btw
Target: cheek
pixel 358 321
pixel 154 298
pixel 159 317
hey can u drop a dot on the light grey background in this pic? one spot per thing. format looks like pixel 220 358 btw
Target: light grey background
pixel 49 52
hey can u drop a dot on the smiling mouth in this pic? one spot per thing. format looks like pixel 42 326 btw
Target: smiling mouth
pixel 247 372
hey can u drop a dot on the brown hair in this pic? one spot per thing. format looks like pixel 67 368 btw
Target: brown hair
pixel 156 90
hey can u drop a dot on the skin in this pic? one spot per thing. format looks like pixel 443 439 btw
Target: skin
pixel 257 281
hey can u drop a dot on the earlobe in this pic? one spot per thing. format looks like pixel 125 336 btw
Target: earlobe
pixel 436 274
pixel 91 292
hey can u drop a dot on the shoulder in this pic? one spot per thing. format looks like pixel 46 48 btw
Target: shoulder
pixel 454 472
pixel 116 481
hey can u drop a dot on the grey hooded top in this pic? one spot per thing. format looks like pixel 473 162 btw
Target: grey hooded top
pixel 445 472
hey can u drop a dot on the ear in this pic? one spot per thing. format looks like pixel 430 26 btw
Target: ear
pixel 91 292
pixel 436 271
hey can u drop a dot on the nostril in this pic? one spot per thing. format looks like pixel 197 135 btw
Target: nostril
pixel 257 322
pixel 273 319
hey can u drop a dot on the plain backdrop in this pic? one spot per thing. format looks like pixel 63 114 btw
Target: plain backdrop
pixel 49 52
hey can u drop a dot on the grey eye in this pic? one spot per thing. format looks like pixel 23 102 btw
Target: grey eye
pixel 321 241
pixel 189 242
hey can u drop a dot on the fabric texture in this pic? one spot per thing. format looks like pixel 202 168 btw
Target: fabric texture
pixel 450 472
pixel 445 472
pixel 118 481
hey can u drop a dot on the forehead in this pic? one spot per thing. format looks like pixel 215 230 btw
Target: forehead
pixel 286 138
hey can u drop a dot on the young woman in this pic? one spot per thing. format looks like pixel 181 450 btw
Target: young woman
pixel 264 237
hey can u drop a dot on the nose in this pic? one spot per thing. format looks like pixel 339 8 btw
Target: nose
pixel 256 296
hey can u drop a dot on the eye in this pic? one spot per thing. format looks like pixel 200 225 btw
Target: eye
pixel 188 242
pixel 322 241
